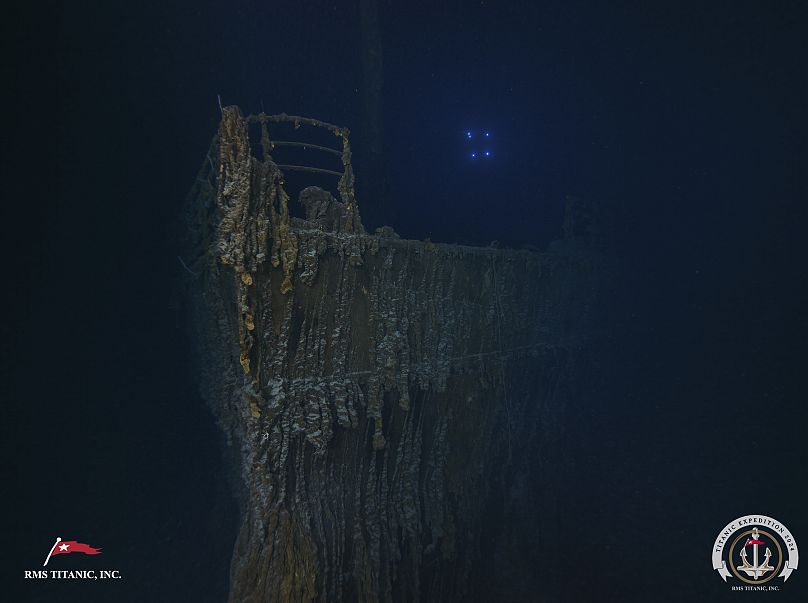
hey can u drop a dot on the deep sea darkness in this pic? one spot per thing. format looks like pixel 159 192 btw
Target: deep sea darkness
pixel 687 120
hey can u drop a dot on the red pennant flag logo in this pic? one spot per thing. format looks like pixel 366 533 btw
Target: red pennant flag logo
pixel 63 547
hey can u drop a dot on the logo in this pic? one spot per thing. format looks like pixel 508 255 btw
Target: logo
pixel 70 546
pixel 754 550
pixel 65 547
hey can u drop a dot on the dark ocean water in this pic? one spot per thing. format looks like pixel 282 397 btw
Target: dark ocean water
pixel 686 121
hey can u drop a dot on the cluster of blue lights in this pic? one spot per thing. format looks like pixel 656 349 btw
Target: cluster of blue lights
pixel 480 144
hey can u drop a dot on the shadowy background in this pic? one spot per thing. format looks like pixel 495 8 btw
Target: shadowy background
pixel 687 120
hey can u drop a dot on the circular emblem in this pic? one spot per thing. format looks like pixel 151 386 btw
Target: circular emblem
pixel 755 549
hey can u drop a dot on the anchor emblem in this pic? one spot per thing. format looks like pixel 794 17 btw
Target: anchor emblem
pixel 754 570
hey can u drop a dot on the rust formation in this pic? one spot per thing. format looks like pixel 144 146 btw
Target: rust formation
pixel 380 392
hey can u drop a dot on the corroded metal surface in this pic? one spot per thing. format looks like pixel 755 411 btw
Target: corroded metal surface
pixel 379 390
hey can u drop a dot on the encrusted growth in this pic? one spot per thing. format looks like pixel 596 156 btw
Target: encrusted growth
pixel 386 385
